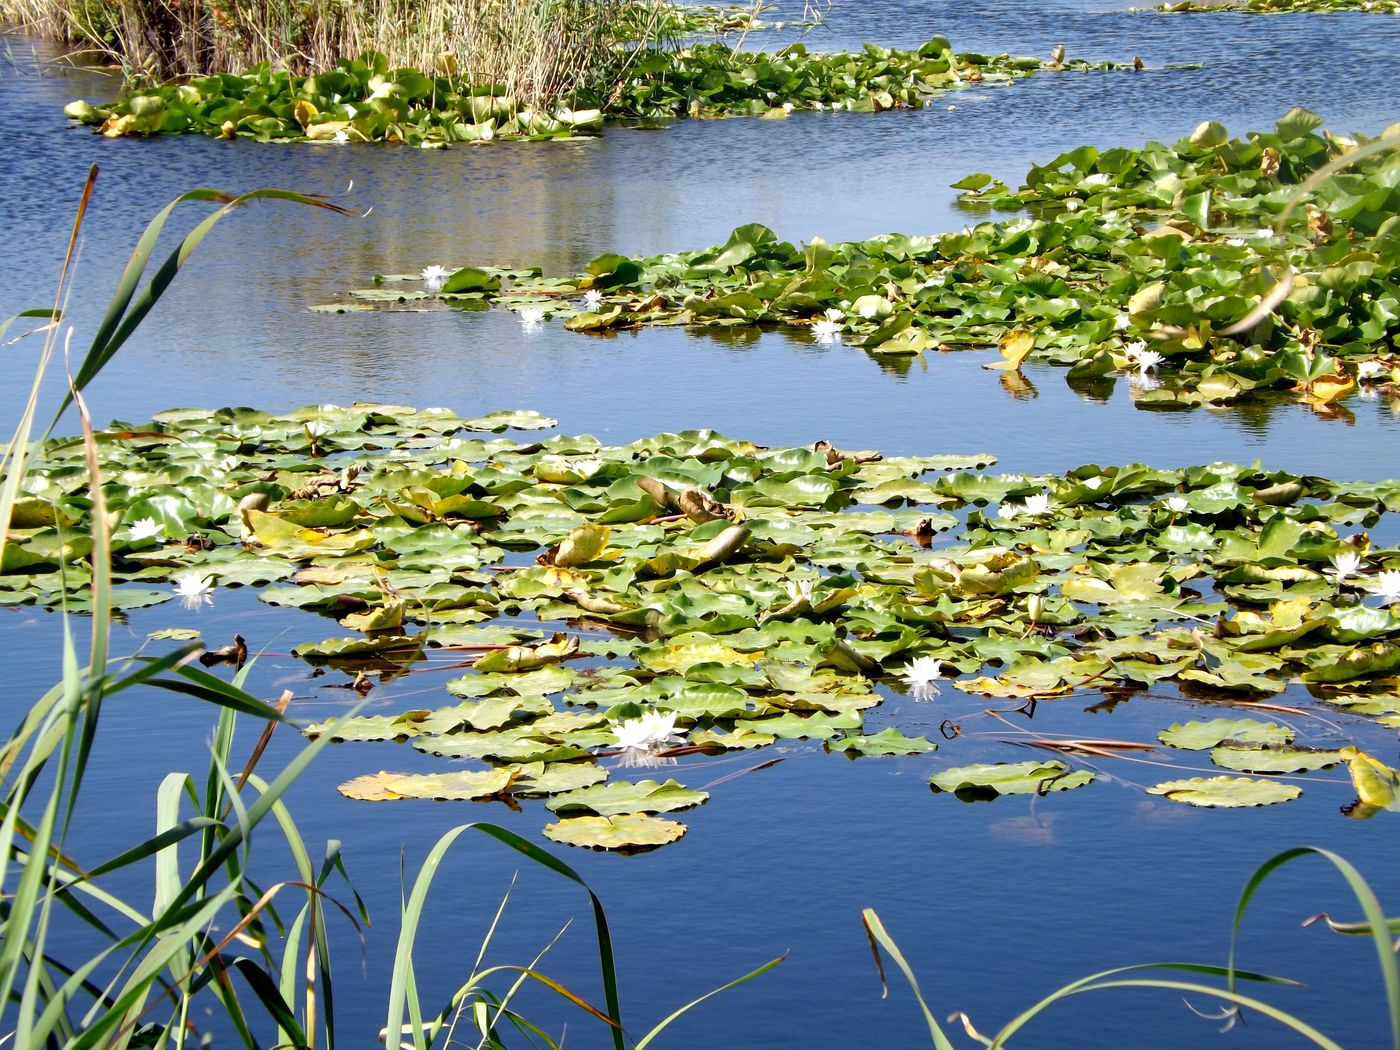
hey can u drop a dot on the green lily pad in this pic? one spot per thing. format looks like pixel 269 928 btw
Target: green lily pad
pixel 1273 760
pixel 1226 792
pixel 628 833
pixel 886 742
pixel 1198 736
pixel 977 783
pixel 620 796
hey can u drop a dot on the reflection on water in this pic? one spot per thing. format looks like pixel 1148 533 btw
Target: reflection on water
pixel 995 905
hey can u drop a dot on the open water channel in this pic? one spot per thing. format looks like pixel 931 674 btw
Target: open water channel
pixel 994 904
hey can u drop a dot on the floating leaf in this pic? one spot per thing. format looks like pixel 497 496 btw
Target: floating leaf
pixel 886 742
pixel 1198 736
pixel 1376 783
pixel 1273 760
pixel 1226 792
pixel 458 786
pixel 985 782
pixel 628 833
pixel 620 796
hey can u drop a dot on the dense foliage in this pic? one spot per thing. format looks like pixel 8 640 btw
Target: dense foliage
pixel 364 100
pixel 739 595
pixel 1149 264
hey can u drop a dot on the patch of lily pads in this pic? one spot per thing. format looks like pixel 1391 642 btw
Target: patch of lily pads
pixel 1141 266
pixel 1277 7
pixel 363 100
pixel 611 609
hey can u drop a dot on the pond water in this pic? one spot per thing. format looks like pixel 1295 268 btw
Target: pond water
pixel 994 904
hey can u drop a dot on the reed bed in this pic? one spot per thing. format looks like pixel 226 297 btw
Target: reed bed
pixel 538 50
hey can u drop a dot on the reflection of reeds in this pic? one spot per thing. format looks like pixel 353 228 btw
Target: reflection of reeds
pixel 536 49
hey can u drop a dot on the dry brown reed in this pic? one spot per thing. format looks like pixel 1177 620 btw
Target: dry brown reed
pixel 539 50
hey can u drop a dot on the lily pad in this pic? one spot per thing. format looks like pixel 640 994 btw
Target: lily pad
pixel 457 786
pixel 620 796
pixel 1199 736
pixel 1226 792
pixel 984 782
pixel 628 833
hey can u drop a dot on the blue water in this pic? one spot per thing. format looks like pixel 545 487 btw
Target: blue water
pixel 994 904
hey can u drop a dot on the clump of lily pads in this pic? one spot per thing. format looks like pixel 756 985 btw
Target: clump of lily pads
pixel 363 100
pixel 1275 7
pixel 1143 265
pixel 696 594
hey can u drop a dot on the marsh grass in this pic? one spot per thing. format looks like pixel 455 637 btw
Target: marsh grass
pixel 537 50
pixel 1162 975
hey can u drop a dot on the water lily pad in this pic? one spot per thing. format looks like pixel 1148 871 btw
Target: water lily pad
pixel 628 833
pixel 886 742
pixel 620 796
pixel 1274 759
pixel 984 782
pixel 1199 736
pixel 552 778
pixel 1226 792
pixel 462 785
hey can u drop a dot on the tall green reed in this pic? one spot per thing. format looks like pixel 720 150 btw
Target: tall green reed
pixel 1376 925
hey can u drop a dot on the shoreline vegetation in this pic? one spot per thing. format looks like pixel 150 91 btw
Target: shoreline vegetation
pixel 1142 264
pixel 365 100
pixel 1281 7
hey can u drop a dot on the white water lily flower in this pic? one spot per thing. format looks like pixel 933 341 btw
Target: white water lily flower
pixel 787 107
pixel 592 298
pixel 1099 178
pixel 1370 370
pixel 340 137
pixel 1148 360
pixel 145 529
pixel 1345 564
pixel 1132 350
pixel 1038 504
pixel 818 105
pixel 1386 586
pixel 653 731
pixel 1073 204
pixel 833 314
pixel 921 677
pixel 435 276
pixel 800 590
pixel 827 331
pixel 836 105
pixel 869 310
pixel 1177 504
pixel 586 466
pixel 194 590
pixel 1121 322
pixel 1007 511
pixel 531 316
pixel 1235 242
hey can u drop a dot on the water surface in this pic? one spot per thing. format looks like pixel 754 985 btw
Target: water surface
pixel 995 904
